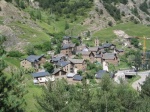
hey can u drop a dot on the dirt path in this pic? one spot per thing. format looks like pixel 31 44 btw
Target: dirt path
pixel 143 75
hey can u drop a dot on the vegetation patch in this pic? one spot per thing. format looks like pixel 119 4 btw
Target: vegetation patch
pixel 131 29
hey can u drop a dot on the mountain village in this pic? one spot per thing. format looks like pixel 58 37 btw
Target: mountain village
pixel 73 58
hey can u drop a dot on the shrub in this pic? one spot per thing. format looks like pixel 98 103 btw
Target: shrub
pixel 15 54
pixel 110 23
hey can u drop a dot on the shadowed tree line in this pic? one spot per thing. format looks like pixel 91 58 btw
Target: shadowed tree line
pixel 59 96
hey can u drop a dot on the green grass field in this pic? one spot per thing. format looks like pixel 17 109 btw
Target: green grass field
pixel 130 28
pixel 12 61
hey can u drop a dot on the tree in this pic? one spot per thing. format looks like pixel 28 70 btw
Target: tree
pixel 145 90
pixel 15 54
pixel 49 67
pixel 135 42
pixel 55 96
pixel 38 14
pixel 11 90
pixel 2 39
pixel 110 23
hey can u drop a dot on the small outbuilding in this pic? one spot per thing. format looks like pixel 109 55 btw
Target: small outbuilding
pixel 77 78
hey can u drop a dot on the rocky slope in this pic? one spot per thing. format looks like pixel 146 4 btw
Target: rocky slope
pixel 99 18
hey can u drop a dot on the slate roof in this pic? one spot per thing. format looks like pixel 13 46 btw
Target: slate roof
pixel 77 78
pixel 119 50
pixel 98 56
pixel 100 74
pixel 108 56
pixel 83 52
pixel 40 74
pixel 62 63
pixel 59 55
pixel 56 70
pixel 76 61
pixel 107 45
pixel 55 59
pixel 66 46
pixel 93 49
pixel 33 58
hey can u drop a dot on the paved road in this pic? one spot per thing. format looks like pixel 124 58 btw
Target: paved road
pixel 143 76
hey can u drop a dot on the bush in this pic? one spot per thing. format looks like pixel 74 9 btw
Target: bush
pixel 15 54
pixel 110 23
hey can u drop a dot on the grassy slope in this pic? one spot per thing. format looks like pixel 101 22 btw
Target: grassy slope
pixel 130 28
pixel 30 34
pixel 33 90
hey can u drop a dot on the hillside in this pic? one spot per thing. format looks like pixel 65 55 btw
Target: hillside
pixel 26 22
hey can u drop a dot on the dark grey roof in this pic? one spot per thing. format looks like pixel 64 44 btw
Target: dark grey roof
pixel 119 50
pixel 93 49
pixel 40 74
pixel 107 45
pixel 77 78
pixel 98 56
pixel 57 70
pixel 33 58
pixel 62 63
pixel 66 46
pixel 108 56
pixel 76 61
pixel 55 59
pixel 100 74
pixel 84 52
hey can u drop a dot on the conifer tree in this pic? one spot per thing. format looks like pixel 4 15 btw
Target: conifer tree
pixel 11 89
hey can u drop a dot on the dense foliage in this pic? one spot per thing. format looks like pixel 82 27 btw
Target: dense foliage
pixel 59 96
pixel 60 7
pixel 15 54
pixel 144 7
pixel 49 67
pixel 111 8
pixel 11 88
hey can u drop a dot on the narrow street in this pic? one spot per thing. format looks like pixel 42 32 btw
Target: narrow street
pixel 143 75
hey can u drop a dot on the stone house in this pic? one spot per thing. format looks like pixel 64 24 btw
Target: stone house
pixel 87 55
pixel 33 61
pixel 68 49
pixel 42 77
pixel 59 73
pixel 109 46
pixel 78 64
pixel 93 49
pixel 81 47
pixel 59 57
pixel 98 57
pixel 110 58
pixel 65 65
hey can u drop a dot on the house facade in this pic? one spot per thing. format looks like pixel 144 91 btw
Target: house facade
pixel 110 58
pixel 65 65
pixel 87 55
pixel 68 49
pixel 59 73
pixel 78 64
pixel 33 61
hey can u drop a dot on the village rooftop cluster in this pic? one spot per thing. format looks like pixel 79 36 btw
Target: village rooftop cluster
pixel 66 65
